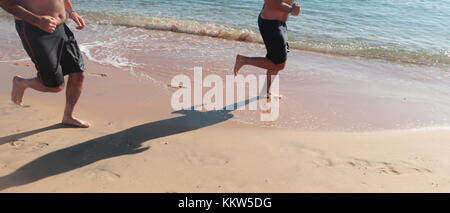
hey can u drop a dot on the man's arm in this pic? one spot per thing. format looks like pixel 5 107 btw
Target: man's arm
pixel 45 23
pixel 74 15
pixel 12 6
pixel 278 5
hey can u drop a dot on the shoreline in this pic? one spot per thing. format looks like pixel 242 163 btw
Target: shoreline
pixel 402 56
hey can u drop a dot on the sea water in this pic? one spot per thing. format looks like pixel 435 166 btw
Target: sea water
pixel 408 30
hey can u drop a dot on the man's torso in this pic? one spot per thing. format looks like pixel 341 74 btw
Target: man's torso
pixel 273 14
pixel 54 8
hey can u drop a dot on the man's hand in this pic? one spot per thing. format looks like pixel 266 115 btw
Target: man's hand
pixel 296 9
pixel 78 20
pixel 47 24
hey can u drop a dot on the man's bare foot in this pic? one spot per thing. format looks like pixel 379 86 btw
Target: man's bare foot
pixel 238 64
pixel 266 106
pixel 71 121
pixel 271 97
pixel 18 90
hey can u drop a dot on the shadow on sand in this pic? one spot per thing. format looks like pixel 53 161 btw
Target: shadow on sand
pixel 18 136
pixel 125 142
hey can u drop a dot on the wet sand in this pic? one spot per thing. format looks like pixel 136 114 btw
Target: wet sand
pixel 137 144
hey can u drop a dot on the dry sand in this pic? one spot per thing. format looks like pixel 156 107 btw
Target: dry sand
pixel 137 145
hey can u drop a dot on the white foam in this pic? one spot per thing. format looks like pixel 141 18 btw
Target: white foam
pixel 108 56
pixel 141 75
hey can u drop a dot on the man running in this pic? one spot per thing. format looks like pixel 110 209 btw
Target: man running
pixel 52 48
pixel 273 29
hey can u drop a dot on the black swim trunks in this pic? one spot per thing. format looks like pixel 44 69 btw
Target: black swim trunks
pixel 274 34
pixel 54 54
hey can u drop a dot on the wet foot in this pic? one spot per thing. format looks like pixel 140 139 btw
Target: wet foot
pixel 71 121
pixel 238 64
pixel 18 90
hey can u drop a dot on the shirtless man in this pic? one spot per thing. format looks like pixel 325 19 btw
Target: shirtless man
pixel 52 48
pixel 273 29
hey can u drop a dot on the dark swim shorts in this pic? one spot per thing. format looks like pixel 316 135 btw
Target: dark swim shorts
pixel 54 54
pixel 274 34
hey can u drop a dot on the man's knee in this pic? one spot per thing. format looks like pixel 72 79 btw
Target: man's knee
pixel 272 72
pixel 55 89
pixel 77 76
pixel 281 66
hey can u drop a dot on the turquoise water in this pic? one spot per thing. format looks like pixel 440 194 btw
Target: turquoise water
pixel 414 31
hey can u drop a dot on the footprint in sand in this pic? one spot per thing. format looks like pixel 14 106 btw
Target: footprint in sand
pixel 20 144
pixel 390 168
pixel 206 160
pixel 17 143
pixel 39 146
pixel 102 75
pixel 322 159
pixel 103 174
pixel 399 168
pixel 176 87
pixel 21 65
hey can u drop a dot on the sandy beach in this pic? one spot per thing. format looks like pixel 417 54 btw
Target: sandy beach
pixel 365 102
pixel 136 144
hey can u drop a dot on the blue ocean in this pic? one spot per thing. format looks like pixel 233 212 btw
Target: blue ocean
pixel 414 31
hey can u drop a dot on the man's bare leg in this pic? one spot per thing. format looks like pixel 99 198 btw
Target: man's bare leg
pixel 269 74
pixel 260 62
pixel 20 84
pixel 73 92
pixel 74 87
